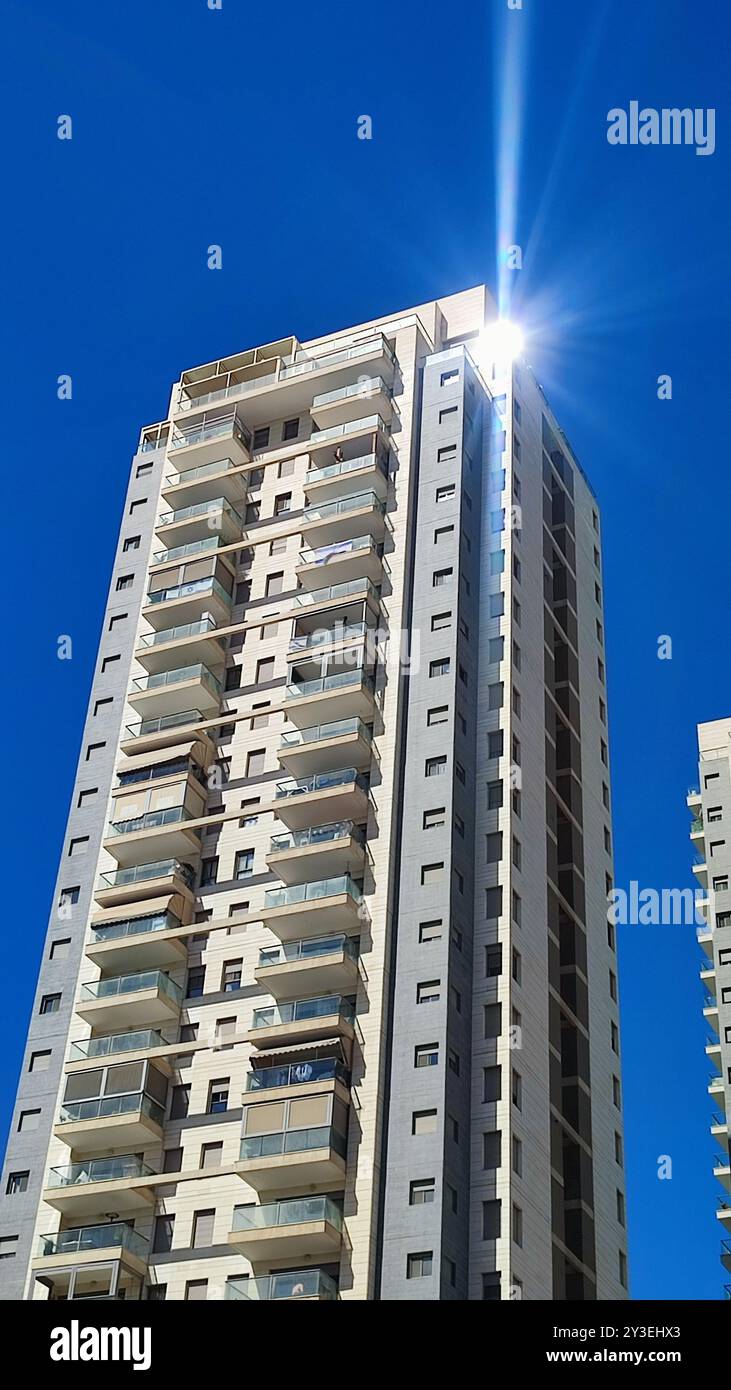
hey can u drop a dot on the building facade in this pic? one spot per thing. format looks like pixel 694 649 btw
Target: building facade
pixel 328 1003
pixel 710 835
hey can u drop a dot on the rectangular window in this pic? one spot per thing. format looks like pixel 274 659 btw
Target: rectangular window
pixel 290 429
pixel 431 873
pixel 491 1150
pixel 261 437
pixel 517 1153
pixel 218 1096
pixel 441 621
pixel 50 1004
pixel 196 1290
pixel 517 1225
pixel 428 992
pixel 209 871
pixel 434 818
pixel 441 577
pixel 29 1120
pixel 421 1192
pixel 60 949
pixel 424 1122
pixel 426 1055
pixel 17 1182
pixel 131 543
pixel 438 715
pixel 125 581
pixel 446 493
pixel 211 1155
pixel 491 1220
pixel 419 1266
pixel 430 931
pixel 202 1231
pixel 231 980
pixel 244 864
pixel 439 667
pixel 491 1084
pixel 164 1230
pixel 435 767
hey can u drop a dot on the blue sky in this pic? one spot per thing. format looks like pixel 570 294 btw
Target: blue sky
pixel 238 128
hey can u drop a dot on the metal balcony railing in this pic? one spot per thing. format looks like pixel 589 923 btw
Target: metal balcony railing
pixel 320 555
pixel 184 436
pixel 325 637
pixel 368 422
pixel 369 386
pixel 151 820
pixel 164 721
pixel 206 587
pixel 343 506
pixel 354 588
pixel 182 673
pixel 216 504
pixel 320 782
pixel 179 552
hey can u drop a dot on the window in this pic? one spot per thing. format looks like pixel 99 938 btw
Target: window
pixel 616 1092
pixel 491 1288
pixel 441 577
pixel 164 1230
pixel 86 796
pixel 517 1155
pixel 492 1020
pixel 282 503
pixel 419 1266
pixel 439 667
pixel 434 818
pixel 426 1055
pixel 517 966
pixel 620 1207
pixel 428 992
pixel 441 621
pixel 517 852
pixel 452 375
pixel 261 437
pixel 430 931
pixel 494 795
pixel 218 1097
pixel 517 1225
pixel 202 1231
pixel 494 847
pixel 435 767
pixel 196 1290
pixel 117 619
pixel 495 744
pixel 211 1156
pixel 233 678
pixel 445 494
pixel 196 982
pixel 491 1084
pixel 495 649
pixel 29 1120
pixel 493 962
pixel 720 884
pixel 231 976
pixel 491 1150
pixel 517 909
pixel 290 429
pixel 442 532
pixel 496 605
pixel 60 949
pixel 125 581
pixel 50 1004
pixel 180 1102
pixel 438 715
pixel 78 846
pixel 424 1122
pixel 431 873
pixel 244 864
pixel 491 1220
pixel 448 451
pixel 17 1182
pixel 265 670
pixel 421 1192
pixel 446 412
pixel 623 1269
pixel 517 1090
pixel 274 584
pixel 714 813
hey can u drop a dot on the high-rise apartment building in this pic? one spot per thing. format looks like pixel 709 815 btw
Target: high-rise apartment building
pixel 710 834
pixel 328 1002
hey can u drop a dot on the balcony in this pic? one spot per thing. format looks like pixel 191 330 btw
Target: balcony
pixel 144 942
pixel 320 964
pixel 347 518
pixel 200 521
pixel 293 1158
pixel 148 736
pixel 130 1001
pixel 333 436
pixel 209 438
pixel 324 797
pixel 207 481
pixel 302 1021
pixel 341 694
pixel 312 1069
pixel 154 833
pixel 311 605
pixel 169 692
pixel 295 1229
pixel 314 909
pixel 710 1013
pixel 304 1284
pixel 708 977
pixel 65 1254
pixel 359 558
pixel 726 1255
pixel 318 852
pixel 321 747
pixel 363 472
pixel 343 403
pixel 145 881
pixel 132 1122
pixel 327 640
pixel 121 1047
pixel 188 602
pixel 722 1174
pixel 723 1213
pixel 86 1188
pixel 199 641
pixel 717 1092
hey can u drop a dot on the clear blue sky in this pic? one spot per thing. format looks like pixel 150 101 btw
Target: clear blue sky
pixel 238 128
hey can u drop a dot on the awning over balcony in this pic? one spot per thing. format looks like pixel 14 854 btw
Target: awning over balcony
pixel 324 1047
pixel 195 748
pixel 170 902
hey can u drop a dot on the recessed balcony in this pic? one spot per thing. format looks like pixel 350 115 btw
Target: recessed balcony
pixel 295 1229
pixel 343 693
pixel 304 1284
pixel 318 852
pixel 130 1001
pixel 293 1158
pixel 196 642
pixel 209 438
pixel 359 558
pixel 169 692
pixel 132 1122
pixel 144 942
pixel 321 747
pixel 313 607
pixel 344 404
pixel 361 473
pixel 206 481
pixel 187 603
pixel 302 1020
pixel 65 1253
pixel 347 518
pixel 314 909
pixel 323 798
pixel 331 639
pixel 145 881
pixel 91 1186
pixel 340 435
pixel 322 964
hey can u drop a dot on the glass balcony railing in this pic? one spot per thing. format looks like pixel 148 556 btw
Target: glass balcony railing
pixel 696 826
pixel 320 555
pixel 162 868
pixel 293 1213
pixel 369 422
pixel 179 552
pixel 312 949
pixel 99 1170
pixel 118 985
pixel 112 1044
pixel 164 721
pixel 216 504
pixel 206 586
pixel 316 835
pixel 298 1074
pixel 203 470
pixel 290 1141
pixel 226 425
pixel 108 1107
pixel 339 680
pixel 312 892
pixel 183 767
pixel 134 926
pixel 302 1011
pixel 327 510
pixel 345 466
pixel 367 387
pixel 354 588
pixel 230 392
pixel 316 733
pixel 151 820
pixel 174 634
pixel 325 637
pixel 320 782
pixel 331 359
pixel 182 673
pixel 111 1235
pixel 305 1283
